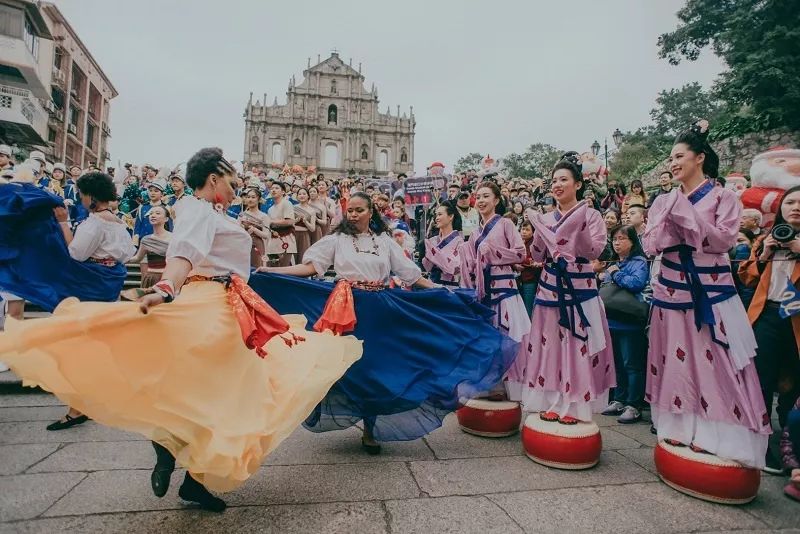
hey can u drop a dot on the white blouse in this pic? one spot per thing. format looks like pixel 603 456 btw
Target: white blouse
pixel 101 239
pixel 362 266
pixel 782 270
pixel 213 243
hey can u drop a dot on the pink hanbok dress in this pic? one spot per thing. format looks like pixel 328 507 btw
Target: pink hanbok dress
pixel 442 259
pixel 486 265
pixel 566 364
pixel 702 384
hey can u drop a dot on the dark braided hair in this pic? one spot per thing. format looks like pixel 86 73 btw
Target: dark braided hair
pixel 376 223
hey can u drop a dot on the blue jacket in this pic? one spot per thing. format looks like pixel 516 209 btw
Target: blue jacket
pixel 633 275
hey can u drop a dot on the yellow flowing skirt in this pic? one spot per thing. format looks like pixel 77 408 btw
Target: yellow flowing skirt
pixel 180 376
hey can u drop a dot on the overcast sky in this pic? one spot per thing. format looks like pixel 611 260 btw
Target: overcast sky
pixel 490 77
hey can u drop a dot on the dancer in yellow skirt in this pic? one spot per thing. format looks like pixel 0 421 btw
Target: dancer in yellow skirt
pixel 229 378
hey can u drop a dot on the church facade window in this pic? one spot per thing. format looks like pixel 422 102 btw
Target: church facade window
pixel 364 152
pixel 333 114
pixel 254 144
pixel 297 147
pixel 404 155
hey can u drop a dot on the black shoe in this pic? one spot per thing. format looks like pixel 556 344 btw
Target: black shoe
pixel 192 491
pixel 372 450
pixel 165 465
pixel 67 422
pixel 773 466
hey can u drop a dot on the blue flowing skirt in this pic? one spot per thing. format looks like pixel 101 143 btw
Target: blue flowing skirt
pixel 423 350
pixel 34 259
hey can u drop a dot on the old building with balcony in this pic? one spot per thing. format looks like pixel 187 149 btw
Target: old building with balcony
pixel 78 129
pixel 26 56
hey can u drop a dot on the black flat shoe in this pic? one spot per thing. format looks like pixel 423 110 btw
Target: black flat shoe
pixel 162 472
pixel 68 422
pixel 372 450
pixel 194 492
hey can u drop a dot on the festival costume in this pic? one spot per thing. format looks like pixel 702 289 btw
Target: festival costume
pixel 566 363
pixel 422 349
pixel 142 226
pixel 201 393
pixel 487 261
pixel 155 258
pixel 282 241
pixel 302 230
pixel 259 245
pixel 35 261
pixel 442 260
pixel 702 384
pixel 321 227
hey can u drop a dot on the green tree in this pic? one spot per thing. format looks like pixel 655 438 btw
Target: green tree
pixel 630 157
pixel 537 161
pixel 759 40
pixel 677 109
pixel 470 161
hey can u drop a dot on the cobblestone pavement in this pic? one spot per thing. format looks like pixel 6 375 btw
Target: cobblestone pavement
pixel 96 479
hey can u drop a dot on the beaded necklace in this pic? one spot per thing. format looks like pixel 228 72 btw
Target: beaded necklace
pixel 375 248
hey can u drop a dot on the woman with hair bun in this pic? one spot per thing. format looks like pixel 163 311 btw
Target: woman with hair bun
pixel 702 384
pixel 441 250
pixel 423 350
pixel 566 368
pixel 488 259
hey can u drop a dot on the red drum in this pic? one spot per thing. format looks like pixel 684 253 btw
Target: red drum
pixel 490 419
pixel 561 446
pixel 706 476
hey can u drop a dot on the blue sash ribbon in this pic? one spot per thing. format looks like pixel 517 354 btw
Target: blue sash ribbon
pixel 564 288
pixel 701 302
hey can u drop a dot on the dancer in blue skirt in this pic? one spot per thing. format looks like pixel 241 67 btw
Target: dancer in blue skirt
pixel 423 350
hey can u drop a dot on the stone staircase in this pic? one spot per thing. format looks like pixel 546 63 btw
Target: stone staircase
pixel 9 382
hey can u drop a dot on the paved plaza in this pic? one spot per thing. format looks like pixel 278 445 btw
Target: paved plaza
pixel 96 479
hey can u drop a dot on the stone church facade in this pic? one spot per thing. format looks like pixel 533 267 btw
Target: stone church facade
pixel 331 121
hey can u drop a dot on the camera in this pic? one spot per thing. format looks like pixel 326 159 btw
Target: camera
pixel 783 233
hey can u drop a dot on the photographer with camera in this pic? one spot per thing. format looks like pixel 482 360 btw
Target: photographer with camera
pixel 774 311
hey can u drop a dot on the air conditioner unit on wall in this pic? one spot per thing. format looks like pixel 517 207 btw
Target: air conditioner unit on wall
pixel 72 129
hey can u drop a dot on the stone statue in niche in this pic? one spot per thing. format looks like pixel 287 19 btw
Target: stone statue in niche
pixel 332 114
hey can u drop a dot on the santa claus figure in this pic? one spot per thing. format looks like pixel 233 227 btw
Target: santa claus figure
pixel 593 170
pixel 736 182
pixel 771 173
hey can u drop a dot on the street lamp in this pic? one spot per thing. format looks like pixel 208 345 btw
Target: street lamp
pixel 617 137
pixel 595 148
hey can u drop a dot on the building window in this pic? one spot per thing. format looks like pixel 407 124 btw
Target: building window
pixel 364 152
pixel 74 116
pixel 297 147
pixel 383 160
pixel 90 131
pixel 51 135
pixel 403 155
pixel 277 153
pixel 11 21
pixel 254 144
pixel 332 114
pixel 58 59
pixel 331 156
pixel 31 41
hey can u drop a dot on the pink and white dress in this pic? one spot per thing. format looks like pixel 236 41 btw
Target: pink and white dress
pixel 702 384
pixel 486 265
pixel 442 259
pixel 566 363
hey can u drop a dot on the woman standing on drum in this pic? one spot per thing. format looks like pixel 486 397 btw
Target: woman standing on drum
pixel 702 384
pixel 487 262
pixel 566 368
